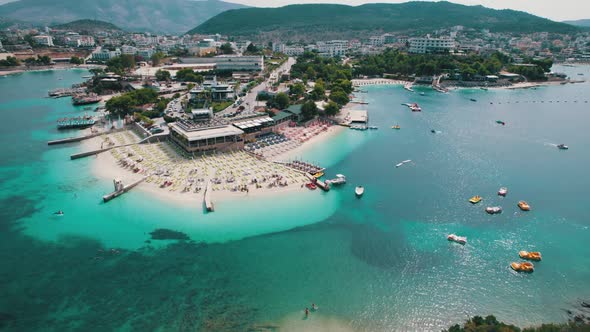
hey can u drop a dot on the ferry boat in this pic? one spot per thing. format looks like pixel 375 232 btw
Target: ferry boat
pixel 359 191
pixel 503 191
pixel 475 199
pixel 523 267
pixel 562 147
pixel 533 255
pixel 456 238
pixel 494 209
pixel 524 206
pixel 85 99
pixel 339 179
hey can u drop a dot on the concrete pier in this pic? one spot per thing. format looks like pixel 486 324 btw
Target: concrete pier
pixel 120 189
pixel 89 153
pixel 81 138
pixel 207 198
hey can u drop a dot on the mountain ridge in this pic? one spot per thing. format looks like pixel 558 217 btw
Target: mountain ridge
pixel 337 20
pixel 171 16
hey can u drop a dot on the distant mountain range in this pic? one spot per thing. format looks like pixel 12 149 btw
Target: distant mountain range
pixel 87 26
pixel 162 16
pixel 308 22
pixel 579 23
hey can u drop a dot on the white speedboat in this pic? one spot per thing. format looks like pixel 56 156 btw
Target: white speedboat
pixel 494 209
pixel 339 179
pixel 407 161
pixel 456 238
pixel 562 147
pixel 373 127
pixel 503 191
pixel 398 165
pixel 359 191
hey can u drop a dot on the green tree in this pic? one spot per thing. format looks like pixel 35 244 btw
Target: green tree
pixel 10 62
pixel 226 49
pixel 282 100
pixel 162 75
pixel 156 58
pixel 340 97
pixel 76 60
pixel 332 108
pixel 309 110
pixel 297 90
pixel 96 71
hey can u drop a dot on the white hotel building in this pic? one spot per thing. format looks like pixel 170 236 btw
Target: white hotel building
pixel 431 45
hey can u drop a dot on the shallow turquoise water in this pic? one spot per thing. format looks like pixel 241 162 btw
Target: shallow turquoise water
pixel 377 263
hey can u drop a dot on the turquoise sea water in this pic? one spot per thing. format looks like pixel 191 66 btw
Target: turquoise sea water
pixel 377 263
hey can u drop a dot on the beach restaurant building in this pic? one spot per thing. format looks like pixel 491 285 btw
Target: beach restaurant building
pixel 199 136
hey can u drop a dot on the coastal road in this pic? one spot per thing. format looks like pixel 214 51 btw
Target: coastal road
pixel 249 100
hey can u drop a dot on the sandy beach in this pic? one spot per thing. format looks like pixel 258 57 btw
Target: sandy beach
pixel 180 180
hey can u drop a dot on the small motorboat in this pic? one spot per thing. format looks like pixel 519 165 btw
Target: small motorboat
pixel 59 213
pixel 396 127
pixel 433 131
pixel 318 175
pixel 407 161
pixel 456 238
pixel 562 147
pixel 524 206
pixel 475 199
pixel 359 191
pixel 473 99
pixel 340 179
pixel 532 255
pixel 373 127
pixel 398 165
pixel 422 94
pixel 415 108
pixel 522 267
pixel 501 122
pixel 311 186
pixel 494 209
pixel 503 192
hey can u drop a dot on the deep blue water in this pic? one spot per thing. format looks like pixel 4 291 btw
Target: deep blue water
pixel 381 262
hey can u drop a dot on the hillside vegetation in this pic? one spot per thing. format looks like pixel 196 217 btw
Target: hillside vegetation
pixel 170 16
pixel 87 25
pixel 310 21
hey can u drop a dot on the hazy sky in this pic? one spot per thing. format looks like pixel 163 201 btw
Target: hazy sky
pixel 558 10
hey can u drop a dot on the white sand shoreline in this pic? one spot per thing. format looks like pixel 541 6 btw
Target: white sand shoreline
pixel 105 167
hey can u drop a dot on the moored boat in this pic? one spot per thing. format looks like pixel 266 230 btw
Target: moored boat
pixel 339 179
pixel 494 209
pixel 456 238
pixel 85 99
pixel 522 267
pixel 532 255
pixel 475 199
pixel 524 206
pixel 415 108
pixel 318 175
pixel 359 191
pixel 311 186
pixel 373 127
pixel 503 191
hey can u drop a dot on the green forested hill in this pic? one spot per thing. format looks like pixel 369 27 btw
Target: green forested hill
pixel 300 21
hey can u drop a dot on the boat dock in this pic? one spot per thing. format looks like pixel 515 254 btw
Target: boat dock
pixel 59 93
pixel 81 138
pixel 120 189
pixel 305 167
pixel 207 198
